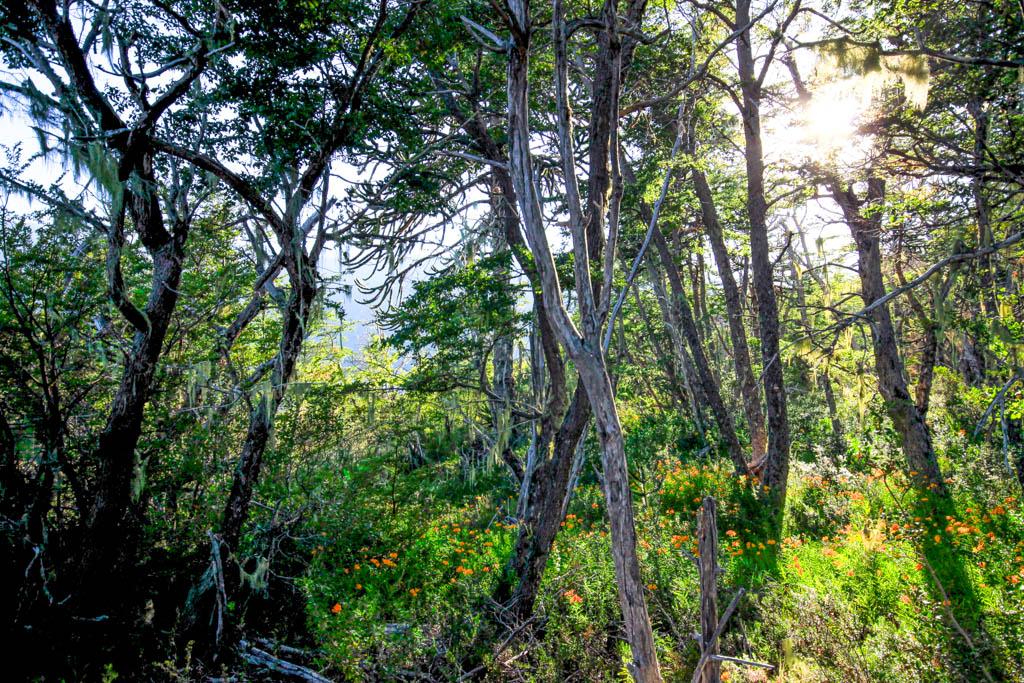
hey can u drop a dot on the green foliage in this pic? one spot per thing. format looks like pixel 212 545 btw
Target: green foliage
pixel 450 321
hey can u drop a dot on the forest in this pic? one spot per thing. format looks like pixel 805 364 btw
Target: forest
pixel 512 340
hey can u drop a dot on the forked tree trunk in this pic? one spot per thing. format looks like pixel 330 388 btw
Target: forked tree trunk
pixel 113 526
pixel 547 486
pixel 585 350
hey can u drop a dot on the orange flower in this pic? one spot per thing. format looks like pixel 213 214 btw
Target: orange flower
pixel 359 586
pixel 730 533
pixel 414 591
pixel 336 608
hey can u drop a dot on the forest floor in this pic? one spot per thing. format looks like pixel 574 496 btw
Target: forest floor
pixel 869 580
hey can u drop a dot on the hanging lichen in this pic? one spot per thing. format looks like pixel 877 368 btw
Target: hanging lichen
pixel 198 377
pixel 257 579
pixel 876 69
pixel 138 483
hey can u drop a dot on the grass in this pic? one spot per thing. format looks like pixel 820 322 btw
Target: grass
pixel 869 581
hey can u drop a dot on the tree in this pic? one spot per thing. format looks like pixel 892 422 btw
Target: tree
pixel 583 347
pixel 112 134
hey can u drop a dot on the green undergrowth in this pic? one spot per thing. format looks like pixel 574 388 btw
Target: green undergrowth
pixel 868 581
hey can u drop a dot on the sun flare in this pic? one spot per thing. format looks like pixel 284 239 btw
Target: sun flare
pixel 826 127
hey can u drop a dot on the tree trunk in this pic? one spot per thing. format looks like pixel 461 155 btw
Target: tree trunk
pixel 838 435
pixel 688 328
pixel 681 361
pixel 502 363
pixel 585 350
pixel 261 419
pixel 906 418
pixel 708 547
pixel 113 525
pixel 734 313
pixel 544 511
pixel 619 500
pixel 775 472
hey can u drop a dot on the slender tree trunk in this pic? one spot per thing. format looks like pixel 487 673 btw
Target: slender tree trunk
pixel 824 380
pixel 775 472
pixel 688 328
pixel 12 481
pixel 619 502
pixel 838 434
pixel 502 364
pixel 668 359
pixel 681 360
pixel 734 313
pixel 982 211
pixel 261 419
pixel 926 368
pixel 906 418
pixel 709 571
pixel 544 512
